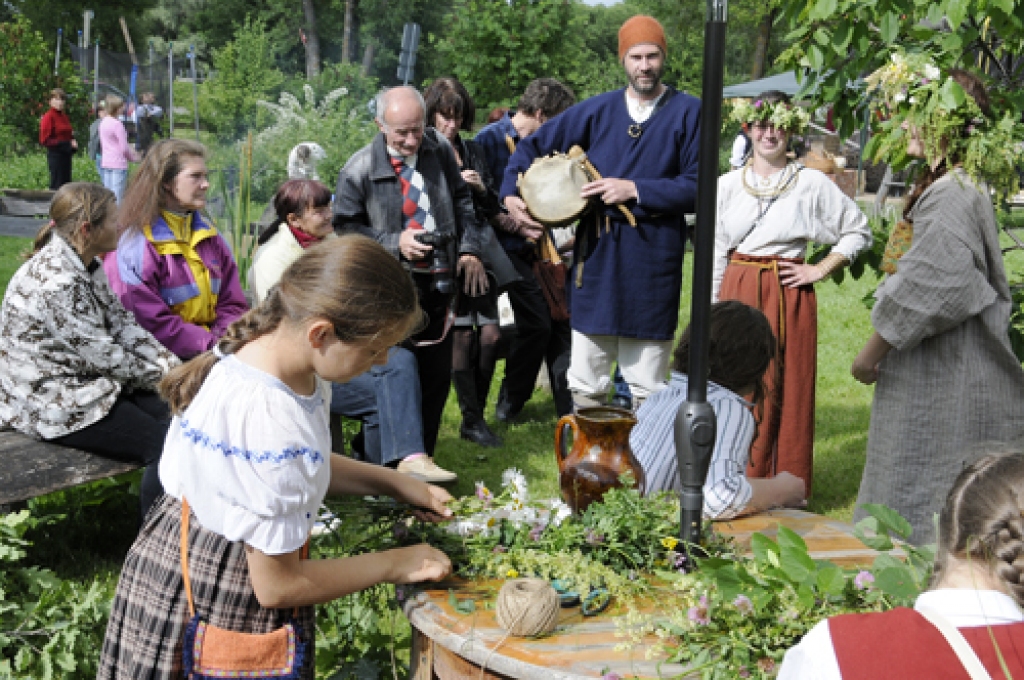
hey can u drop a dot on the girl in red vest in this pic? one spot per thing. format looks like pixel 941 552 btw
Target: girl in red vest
pixel 976 594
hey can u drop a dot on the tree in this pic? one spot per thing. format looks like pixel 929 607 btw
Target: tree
pixel 311 40
pixel 26 76
pixel 496 48
pixel 836 42
pixel 244 73
pixel 48 16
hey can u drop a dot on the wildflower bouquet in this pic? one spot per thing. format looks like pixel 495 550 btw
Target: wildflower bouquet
pixel 736 618
pixel 730 615
pixel 912 89
pixel 784 116
pixel 613 543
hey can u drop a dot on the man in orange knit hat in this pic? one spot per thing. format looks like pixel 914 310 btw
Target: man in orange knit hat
pixel 627 273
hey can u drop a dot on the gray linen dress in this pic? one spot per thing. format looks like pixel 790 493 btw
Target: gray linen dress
pixel 951 383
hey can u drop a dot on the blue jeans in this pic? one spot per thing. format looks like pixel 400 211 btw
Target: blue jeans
pixel 116 181
pixel 387 399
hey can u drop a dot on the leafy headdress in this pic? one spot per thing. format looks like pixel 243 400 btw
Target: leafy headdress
pixel 784 115
pixel 911 88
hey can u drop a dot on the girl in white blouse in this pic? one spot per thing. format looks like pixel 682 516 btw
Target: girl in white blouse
pixel 249 450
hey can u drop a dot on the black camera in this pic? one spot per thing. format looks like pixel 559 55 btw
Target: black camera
pixel 440 267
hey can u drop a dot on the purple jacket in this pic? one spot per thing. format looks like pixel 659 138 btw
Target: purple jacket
pixel 150 284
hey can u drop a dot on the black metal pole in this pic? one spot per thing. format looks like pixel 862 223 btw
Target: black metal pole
pixel 695 426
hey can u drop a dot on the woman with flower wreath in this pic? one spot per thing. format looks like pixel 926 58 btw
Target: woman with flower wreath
pixel 768 210
pixel 945 374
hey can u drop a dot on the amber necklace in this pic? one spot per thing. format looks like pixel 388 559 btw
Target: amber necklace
pixel 787 179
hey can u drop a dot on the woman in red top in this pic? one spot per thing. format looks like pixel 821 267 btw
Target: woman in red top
pixel 56 135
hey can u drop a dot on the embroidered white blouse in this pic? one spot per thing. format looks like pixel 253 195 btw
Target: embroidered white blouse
pixel 252 457
pixel 68 347
pixel 814 658
pixel 814 209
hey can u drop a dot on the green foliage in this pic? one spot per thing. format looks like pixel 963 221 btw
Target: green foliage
pixel 30 170
pixel 838 41
pixel 49 628
pixel 339 122
pixel 234 225
pixel 48 16
pixel 497 48
pixel 739 616
pixel 26 78
pixel 244 73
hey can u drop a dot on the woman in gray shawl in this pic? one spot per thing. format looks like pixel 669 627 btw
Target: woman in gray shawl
pixel 947 379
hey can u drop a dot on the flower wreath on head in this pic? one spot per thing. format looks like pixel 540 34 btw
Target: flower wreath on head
pixel 910 88
pixel 787 117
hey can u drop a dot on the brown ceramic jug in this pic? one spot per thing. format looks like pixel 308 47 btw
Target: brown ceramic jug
pixel 600 454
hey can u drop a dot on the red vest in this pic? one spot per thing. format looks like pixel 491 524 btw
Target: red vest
pixel 903 645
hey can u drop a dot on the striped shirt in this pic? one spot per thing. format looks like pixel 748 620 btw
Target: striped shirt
pixel 726 490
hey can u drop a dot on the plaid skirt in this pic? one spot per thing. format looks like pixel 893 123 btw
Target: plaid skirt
pixel 147 621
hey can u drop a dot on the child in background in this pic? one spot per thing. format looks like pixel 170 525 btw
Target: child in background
pixel 94 136
pixel 75 368
pixel 742 345
pixel 386 399
pixel 249 449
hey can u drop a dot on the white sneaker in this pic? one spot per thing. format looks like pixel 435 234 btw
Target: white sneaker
pixel 327 521
pixel 423 467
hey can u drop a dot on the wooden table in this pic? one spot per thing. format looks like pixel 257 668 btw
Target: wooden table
pixel 448 644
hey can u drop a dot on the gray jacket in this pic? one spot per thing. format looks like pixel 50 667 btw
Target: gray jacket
pixel 368 199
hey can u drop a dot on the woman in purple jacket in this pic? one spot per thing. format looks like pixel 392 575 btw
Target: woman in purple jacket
pixel 171 267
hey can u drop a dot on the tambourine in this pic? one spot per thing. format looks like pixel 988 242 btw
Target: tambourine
pixel 551 189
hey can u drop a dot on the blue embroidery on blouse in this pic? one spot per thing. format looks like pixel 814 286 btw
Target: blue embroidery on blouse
pixel 206 441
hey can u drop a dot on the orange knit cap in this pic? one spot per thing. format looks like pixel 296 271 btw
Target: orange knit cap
pixel 639 30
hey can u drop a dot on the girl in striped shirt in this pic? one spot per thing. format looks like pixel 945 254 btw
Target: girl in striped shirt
pixel 742 345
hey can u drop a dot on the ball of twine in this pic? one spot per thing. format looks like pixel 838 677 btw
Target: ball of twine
pixel 527 607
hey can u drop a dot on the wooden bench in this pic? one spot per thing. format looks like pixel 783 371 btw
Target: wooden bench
pixel 30 468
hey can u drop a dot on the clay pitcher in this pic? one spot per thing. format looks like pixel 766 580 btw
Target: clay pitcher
pixel 600 454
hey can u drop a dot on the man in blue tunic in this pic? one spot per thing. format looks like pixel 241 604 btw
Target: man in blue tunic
pixel 625 280
pixel 538 337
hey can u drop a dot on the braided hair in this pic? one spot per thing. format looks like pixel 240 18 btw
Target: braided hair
pixel 350 281
pixel 982 520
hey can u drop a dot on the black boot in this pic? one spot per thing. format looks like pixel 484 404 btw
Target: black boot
pixel 473 427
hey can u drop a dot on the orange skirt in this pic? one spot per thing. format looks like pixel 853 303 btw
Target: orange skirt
pixel 785 433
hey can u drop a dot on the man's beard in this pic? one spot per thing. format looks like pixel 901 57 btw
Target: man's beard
pixel 634 82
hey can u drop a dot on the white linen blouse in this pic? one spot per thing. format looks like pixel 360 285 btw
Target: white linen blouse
pixel 813 209
pixel 814 658
pixel 252 457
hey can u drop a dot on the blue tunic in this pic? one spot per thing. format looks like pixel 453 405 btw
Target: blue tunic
pixel 632 276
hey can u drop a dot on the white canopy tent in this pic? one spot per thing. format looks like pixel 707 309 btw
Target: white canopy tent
pixel 784 82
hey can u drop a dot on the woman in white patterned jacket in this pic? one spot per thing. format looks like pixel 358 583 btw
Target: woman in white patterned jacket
pixel 75 367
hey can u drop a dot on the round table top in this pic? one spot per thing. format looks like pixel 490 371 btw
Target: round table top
pixel 588 647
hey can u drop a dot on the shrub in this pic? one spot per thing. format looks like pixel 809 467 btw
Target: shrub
pixel 244 73
pixel 26 77
pixel 339 123
pixel 30 171
pixel 49 627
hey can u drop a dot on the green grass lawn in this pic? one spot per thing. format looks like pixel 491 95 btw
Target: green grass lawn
pixel 11 249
